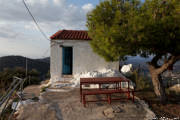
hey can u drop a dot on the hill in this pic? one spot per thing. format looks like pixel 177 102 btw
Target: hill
pixel 42 65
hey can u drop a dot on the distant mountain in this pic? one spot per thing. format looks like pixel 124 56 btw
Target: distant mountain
pixel 42 65
pixel 46 60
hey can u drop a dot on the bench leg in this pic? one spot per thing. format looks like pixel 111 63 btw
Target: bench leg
pixel 133 96
pixel 80 92
pixel 128 95
pixel 99 86
pixel 84 100
pixel 81 98
pixel 109 98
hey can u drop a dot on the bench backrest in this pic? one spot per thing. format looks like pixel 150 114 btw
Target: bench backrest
pixel 104 79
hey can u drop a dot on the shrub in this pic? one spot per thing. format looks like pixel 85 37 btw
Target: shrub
pixel 43 89
pixel 142 82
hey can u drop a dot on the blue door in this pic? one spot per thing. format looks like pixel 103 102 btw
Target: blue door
pixel 67 60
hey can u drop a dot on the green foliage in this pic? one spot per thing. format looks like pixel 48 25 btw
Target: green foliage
pixel 48 74
pixel 6 113
pixel 6 77
pixel 33 72
pixel 43 89
pixel 142 82
pixel 128 27
pixel 161 30
pixel 33 77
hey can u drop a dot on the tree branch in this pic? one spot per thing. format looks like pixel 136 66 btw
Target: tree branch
pixel 171 60
pixel 155 60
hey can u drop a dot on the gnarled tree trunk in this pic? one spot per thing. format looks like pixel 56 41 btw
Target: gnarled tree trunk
pixel 156 71
pixel 158 84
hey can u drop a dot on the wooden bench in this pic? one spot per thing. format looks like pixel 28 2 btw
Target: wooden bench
pixel 107 91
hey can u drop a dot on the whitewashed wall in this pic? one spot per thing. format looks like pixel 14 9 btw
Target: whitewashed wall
pixel 84 59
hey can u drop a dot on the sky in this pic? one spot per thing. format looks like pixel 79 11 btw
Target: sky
pixel 20 36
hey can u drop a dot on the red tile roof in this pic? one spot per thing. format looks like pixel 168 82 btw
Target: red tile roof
pixel 71 35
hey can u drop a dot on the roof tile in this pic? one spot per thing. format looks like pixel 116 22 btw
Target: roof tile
pixel 71 35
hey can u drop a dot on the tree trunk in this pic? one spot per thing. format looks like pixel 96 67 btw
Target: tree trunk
pixel 156 71
pixel 158 84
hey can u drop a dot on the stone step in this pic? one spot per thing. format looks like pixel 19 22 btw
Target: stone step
pixel 61 84
pixel 66 79
pixel 62 89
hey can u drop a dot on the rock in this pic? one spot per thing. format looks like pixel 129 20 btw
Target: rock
pixel 97 74
pixel 126 69
pixel 175 88
pixel 117 109
pixel 109 113
pixel 100 73
pixel 17 105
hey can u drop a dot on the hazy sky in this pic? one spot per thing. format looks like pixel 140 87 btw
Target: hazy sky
pixel 18 33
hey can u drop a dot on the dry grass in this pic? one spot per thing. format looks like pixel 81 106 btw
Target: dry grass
pixel 169 110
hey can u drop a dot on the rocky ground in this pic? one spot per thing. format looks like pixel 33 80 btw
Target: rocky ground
pixel 66 106
pixel 171 110
pixel 32 91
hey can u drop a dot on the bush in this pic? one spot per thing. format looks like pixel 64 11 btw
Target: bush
pixel 31 80
pixel 43 89
pixel 6 77
pixel 6 113
pixel 142 82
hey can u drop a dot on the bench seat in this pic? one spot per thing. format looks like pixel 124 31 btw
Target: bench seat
pixel 104 91
pixel 108 92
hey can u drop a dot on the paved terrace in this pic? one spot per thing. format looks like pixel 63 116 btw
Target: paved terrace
pixel 66 106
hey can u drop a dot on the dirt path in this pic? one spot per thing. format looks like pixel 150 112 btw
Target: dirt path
pixel 66 106
pixel 31 91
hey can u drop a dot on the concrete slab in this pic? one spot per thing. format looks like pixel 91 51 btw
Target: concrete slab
pixel 67 106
